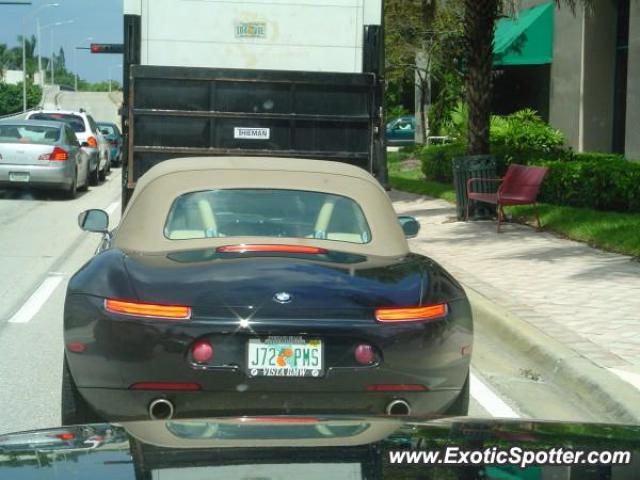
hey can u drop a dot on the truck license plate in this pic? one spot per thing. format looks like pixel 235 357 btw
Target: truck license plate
pixel 284 357
pixel 22 177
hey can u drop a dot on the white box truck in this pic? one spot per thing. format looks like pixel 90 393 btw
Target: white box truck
pixel 293 78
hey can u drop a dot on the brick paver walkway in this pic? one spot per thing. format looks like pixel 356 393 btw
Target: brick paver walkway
pixel 587 299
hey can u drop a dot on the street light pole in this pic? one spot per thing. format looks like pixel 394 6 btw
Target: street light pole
pixel 24 51
pixel 39 52
pixel 75 64
pixel 110 68
pixel 52 26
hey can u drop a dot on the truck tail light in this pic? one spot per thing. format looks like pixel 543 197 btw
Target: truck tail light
pixel 411 314
pixel 58 155
pixel 136 309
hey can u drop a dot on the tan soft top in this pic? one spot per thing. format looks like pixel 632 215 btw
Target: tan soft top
pixel 142 226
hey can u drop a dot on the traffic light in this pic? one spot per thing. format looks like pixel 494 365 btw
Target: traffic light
pixel 107 48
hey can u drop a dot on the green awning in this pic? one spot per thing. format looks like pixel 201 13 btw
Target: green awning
pixel 526 39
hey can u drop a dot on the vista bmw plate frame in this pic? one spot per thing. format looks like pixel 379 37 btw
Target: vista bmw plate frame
pixel 285 356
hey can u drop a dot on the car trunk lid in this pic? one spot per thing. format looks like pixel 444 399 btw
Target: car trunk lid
pixel 277 285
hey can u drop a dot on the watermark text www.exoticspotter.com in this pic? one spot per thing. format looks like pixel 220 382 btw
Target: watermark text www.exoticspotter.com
pixel 518 456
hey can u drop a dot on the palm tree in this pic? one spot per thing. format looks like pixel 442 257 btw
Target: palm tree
pixel 30 49
pixel 4 59
pixel 479 24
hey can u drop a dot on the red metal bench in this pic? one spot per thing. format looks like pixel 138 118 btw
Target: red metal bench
pixel 520 186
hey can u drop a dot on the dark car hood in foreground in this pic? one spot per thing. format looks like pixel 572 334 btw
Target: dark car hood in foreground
pixel 303 447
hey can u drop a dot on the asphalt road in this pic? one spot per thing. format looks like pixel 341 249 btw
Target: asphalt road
pixel 41 246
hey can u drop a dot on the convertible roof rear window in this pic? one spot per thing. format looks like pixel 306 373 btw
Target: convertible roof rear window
pixel 266 213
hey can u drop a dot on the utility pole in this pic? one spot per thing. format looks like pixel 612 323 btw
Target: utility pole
pixel 24 50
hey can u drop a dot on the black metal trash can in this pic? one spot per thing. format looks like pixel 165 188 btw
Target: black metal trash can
pixel 474 166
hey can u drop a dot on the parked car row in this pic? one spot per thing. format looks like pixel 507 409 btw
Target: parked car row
pixel 57 149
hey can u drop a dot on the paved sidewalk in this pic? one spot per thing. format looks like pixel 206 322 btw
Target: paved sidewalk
pixel 584 298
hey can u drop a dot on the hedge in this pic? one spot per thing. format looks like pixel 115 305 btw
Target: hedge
pixel 592 180
pixel 602 184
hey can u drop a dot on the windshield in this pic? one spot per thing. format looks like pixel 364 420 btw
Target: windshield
pixel 319 208
pixel 106 129
pixel 266 213
pixel 29 134
pixel 74 121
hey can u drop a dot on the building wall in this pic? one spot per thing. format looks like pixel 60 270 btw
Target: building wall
pixel 13 77
pixel 632 144
pixel 583 74
pixel 566 74
pixel 598 77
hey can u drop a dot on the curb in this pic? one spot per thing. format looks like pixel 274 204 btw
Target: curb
pixel 599 389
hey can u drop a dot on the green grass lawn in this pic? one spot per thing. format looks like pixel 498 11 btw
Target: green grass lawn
pixel 612 231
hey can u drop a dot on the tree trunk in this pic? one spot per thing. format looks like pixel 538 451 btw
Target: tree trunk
pixel 422 96
pixel 479 22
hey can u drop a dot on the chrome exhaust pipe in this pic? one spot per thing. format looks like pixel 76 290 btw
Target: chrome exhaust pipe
pixel 398 408
pixel 161 409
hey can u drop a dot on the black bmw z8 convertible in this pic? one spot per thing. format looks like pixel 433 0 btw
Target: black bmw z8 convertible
pixel 261 286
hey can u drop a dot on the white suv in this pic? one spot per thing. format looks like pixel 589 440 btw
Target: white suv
pixel 88 135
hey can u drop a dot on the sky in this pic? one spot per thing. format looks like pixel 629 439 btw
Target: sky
pixel 100 19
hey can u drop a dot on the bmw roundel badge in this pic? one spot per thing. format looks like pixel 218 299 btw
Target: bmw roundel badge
pixel 282 297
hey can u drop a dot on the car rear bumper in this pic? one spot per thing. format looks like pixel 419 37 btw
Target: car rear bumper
pixel 43 176
pixel 124 405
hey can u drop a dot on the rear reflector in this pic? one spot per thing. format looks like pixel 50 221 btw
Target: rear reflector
pixel 76 347
pixel 175 312
pixel 189 387
pixel 392 387
pixel 202 351
pixel 411 314
pixel 266 248
pixel 58 155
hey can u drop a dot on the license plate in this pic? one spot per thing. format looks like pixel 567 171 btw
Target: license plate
pixel 284 357
pixel 18 176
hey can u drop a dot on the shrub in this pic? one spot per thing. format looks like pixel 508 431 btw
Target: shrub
pixel 436 161
pixel 11 97
pixel 523 137
pixel 606 184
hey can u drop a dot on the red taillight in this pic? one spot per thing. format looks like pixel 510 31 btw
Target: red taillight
pixel 174 312
pixel 93 143
pixel 411 314
pixel 266 248
pixel 364 354
pixel 58 155
pixel 396 387
pixel 76 347
pixel 202 351
pixel 189 387
pixel 67 436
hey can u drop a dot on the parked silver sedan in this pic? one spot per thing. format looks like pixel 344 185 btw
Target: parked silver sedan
pixel 42 154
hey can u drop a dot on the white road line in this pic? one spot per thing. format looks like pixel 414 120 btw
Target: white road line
pixel 35 302
pixel 488 400
pixel 112 208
